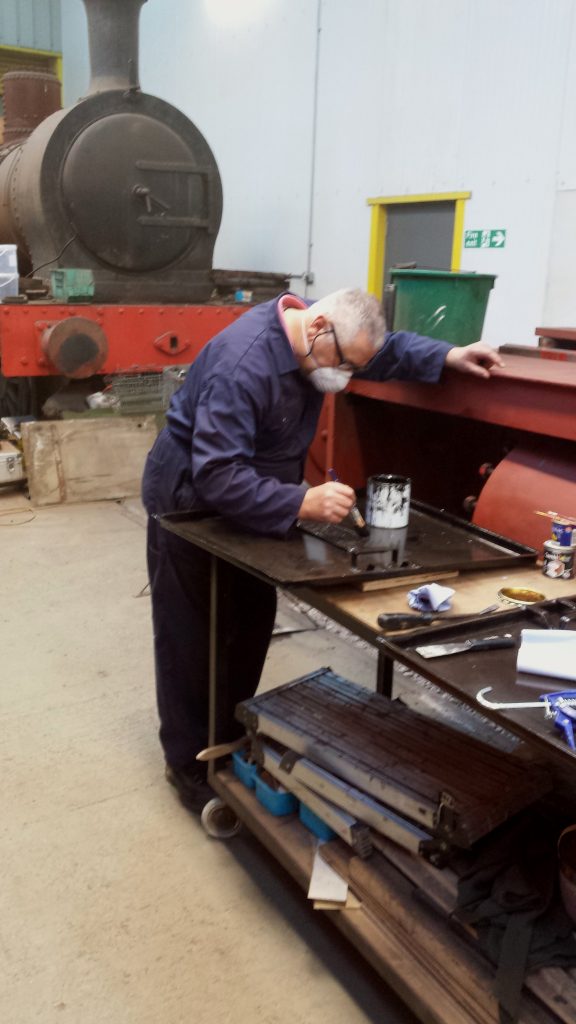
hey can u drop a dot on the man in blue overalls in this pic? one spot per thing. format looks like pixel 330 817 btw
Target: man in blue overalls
pixel 235 443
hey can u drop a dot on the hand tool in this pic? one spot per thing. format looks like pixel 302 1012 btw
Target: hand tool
pixel 358 519
pixel 221 749
pixel 486 643
pixel 560 705
pixel 411 620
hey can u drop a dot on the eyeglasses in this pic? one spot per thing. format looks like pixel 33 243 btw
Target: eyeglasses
pixel 344 364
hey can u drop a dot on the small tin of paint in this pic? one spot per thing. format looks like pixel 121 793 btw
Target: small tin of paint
pixel 388 501
pixel 558 560
pixel 563 532
pixel 520 596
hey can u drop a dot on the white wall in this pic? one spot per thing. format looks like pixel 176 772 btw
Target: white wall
pixel 32 24
pixel 413 97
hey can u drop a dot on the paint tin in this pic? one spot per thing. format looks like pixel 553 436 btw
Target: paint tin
pixel 520 596
pixel 388 501
pixel 563 532
pixel 558 561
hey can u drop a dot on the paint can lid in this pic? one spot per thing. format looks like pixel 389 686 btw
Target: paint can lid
pixel 558 549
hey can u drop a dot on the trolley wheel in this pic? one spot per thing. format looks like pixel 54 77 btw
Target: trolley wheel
pixel 218 820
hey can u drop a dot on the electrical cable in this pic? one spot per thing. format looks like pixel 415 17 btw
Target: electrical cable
pixel 57 257
pixel 15 512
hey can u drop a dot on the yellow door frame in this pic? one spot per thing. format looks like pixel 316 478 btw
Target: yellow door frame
pixel 379 225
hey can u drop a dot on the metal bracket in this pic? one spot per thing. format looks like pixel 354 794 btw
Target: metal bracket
pixel 289 759
pixel 446 818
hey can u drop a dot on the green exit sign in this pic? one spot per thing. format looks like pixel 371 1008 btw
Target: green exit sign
pixel 493 238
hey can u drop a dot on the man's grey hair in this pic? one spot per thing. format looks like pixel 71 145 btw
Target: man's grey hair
pixel 352 310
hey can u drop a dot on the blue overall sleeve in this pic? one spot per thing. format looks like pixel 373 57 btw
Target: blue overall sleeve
pixel 227 424
pixel 407 356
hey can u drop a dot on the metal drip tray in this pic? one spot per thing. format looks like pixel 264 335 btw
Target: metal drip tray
pixel 317 554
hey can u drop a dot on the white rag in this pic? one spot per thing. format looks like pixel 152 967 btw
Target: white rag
pixel 431 598
pixel 548 652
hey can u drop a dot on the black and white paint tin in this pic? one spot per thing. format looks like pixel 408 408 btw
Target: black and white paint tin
pixel 388 501
pixel 558 561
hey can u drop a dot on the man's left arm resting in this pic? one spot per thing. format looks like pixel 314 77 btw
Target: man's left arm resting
pixel 478 359
pixel 415 357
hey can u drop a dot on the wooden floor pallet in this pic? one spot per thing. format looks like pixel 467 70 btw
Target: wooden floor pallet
pixel 434 970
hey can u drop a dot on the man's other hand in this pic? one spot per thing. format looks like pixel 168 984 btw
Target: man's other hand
pixel 328 503
pixel 478 359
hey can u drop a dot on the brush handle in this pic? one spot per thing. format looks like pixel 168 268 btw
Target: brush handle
pixel 360 525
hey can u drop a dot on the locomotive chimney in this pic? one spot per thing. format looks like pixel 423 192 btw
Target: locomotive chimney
pixel 113 37
pixel 29 97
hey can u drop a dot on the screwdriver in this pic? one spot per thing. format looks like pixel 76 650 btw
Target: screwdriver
pixel 358 519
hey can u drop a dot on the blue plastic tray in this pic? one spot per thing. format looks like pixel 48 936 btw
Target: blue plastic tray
pixel 245 771
pixel 277 801
pixel 314 823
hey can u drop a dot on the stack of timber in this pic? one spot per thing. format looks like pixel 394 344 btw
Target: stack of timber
pixel 403 924
pixel 414 905
pixel 369 766
pixel 400 791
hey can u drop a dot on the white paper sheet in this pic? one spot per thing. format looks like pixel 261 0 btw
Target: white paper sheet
pixel 548 652
pixel 325 883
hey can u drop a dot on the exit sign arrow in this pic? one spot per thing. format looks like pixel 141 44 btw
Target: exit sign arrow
pixel 485 238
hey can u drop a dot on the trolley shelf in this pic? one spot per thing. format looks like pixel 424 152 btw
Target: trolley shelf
pixel 434 971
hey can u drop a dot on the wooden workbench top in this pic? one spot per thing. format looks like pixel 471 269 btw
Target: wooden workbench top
pixel 474 592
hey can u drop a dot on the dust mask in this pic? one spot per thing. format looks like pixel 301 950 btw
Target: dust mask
pixel 328 379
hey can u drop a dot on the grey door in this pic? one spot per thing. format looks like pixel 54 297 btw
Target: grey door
pixel 419 233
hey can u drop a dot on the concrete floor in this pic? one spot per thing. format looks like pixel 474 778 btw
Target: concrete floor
pixel 114 905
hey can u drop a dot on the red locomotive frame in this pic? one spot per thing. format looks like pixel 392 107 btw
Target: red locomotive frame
pixel 138 338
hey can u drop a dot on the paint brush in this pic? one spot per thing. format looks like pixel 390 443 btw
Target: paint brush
pixel 362 529
pixel 556 515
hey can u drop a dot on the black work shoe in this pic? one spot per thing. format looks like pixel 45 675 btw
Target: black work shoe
pixel 192 787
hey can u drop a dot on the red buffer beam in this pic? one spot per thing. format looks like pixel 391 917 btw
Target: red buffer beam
pixel 40 340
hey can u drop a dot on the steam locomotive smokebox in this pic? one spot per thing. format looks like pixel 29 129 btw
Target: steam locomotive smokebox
pixel 122 184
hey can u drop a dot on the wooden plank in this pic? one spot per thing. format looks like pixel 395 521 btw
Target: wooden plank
pixel 403 956
pixel 293 846
pixel 555 987
pixel 407 581
pixel 86 460
pixel 456 966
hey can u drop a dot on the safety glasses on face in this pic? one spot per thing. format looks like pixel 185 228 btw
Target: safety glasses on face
pixel 343 364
